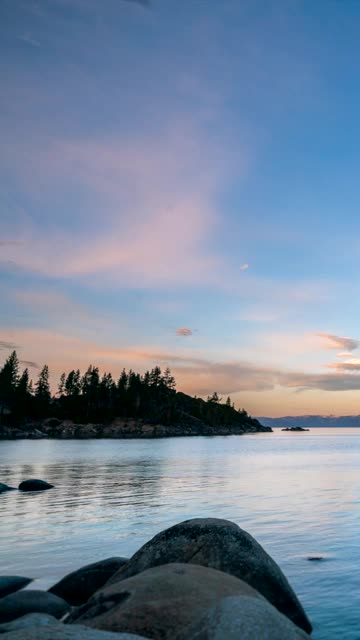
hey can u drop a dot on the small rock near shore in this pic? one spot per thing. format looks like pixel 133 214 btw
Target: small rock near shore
pixel 221 545
pixel 10 584
pixel 5 487
pixel 35 485
pixel 159 602
pixel 243 618
pixel 77 587
pixel 19 604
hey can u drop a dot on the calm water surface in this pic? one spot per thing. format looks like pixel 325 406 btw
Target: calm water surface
pixel 297 494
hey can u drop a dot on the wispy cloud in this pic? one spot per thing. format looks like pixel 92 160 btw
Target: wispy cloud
pixel 4 344
pixel 336 342
pixel 28 39
pixel 184 332
pixel 244 267
pixel 30 363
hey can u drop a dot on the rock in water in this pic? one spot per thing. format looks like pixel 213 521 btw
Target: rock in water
pixel 10 584
pixel 243 618
pixel 33 601
pixel 69 632
pixel 159 602
pixel 77 587
pixel 5 487
pixel 34 485
pixel 221 545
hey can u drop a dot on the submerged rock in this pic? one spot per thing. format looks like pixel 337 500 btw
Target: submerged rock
pixel 5 487
pixel 10 584
pixel 77 587
pixel 34 485
pixel 159 602
pixel 222 545
pixel 19 604
pixel 243 618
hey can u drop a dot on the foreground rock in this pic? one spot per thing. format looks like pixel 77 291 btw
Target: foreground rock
pixel 69 632
pixel 10 584
pixel 222 545
pixel 30 620
pixel 77 587
pixel 34 485
pixel 33 601
pixel 160 602
pixel 243 618
pixel 5 487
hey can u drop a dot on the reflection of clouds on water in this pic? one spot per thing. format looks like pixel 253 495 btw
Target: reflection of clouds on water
pixel 297 496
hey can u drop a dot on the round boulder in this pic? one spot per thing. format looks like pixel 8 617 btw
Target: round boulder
pixel 5 487
pixel 10 584
pixel 160 602
pixel 77 587
pixel 221 545
pixel 243 618
pixel 34 485
pixel 33 601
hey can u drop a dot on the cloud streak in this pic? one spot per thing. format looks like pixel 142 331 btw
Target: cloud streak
pixel 336 342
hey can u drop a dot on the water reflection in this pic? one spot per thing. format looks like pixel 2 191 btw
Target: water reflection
pixel 297 494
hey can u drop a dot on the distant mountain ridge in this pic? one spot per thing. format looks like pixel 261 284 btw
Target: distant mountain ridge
pixel 311 421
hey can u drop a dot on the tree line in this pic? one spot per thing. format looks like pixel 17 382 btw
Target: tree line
pixel 93 397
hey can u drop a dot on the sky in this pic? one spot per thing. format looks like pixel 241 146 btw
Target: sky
pixel 179 185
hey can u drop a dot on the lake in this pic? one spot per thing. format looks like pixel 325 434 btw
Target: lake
pixel 298 494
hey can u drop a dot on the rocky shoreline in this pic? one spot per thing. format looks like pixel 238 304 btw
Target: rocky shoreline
pixel 124 428
pixel 202 579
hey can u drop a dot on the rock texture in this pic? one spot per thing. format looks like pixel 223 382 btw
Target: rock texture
pixel 160 602
pixel 34 485
pixel 243 618
pixel 30 620
pixel 10 584
pixel 77 587
pixel 69 632
pixel 222 545
pixel 33 601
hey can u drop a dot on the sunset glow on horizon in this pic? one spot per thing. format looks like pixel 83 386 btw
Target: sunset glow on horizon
pixel 179 186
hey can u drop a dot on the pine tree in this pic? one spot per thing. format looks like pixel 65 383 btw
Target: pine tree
pixel 169 380
pixel 9 377
pixel 61 385
pixel 42 387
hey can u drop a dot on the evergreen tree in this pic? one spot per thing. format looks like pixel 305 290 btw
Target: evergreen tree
pixel 61 386
pixel 9 377
pixel 42 387
pixel 169 380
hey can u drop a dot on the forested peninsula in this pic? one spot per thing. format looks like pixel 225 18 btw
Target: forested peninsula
pixel 91 405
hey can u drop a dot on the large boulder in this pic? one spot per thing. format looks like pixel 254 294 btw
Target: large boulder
pixel 34 485
pixel 77 587
pixel 5 487
pixel 160 602
pixel 221 545
pixel 69 632
pixel 243 618
pixel 32 601
pixel 10 584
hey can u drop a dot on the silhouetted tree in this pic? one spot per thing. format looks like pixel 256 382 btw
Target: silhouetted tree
pixel 42 391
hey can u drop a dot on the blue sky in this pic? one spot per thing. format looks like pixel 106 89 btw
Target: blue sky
pixel 190 165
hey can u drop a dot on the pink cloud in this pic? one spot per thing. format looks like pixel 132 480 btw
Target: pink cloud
pixel 184 332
